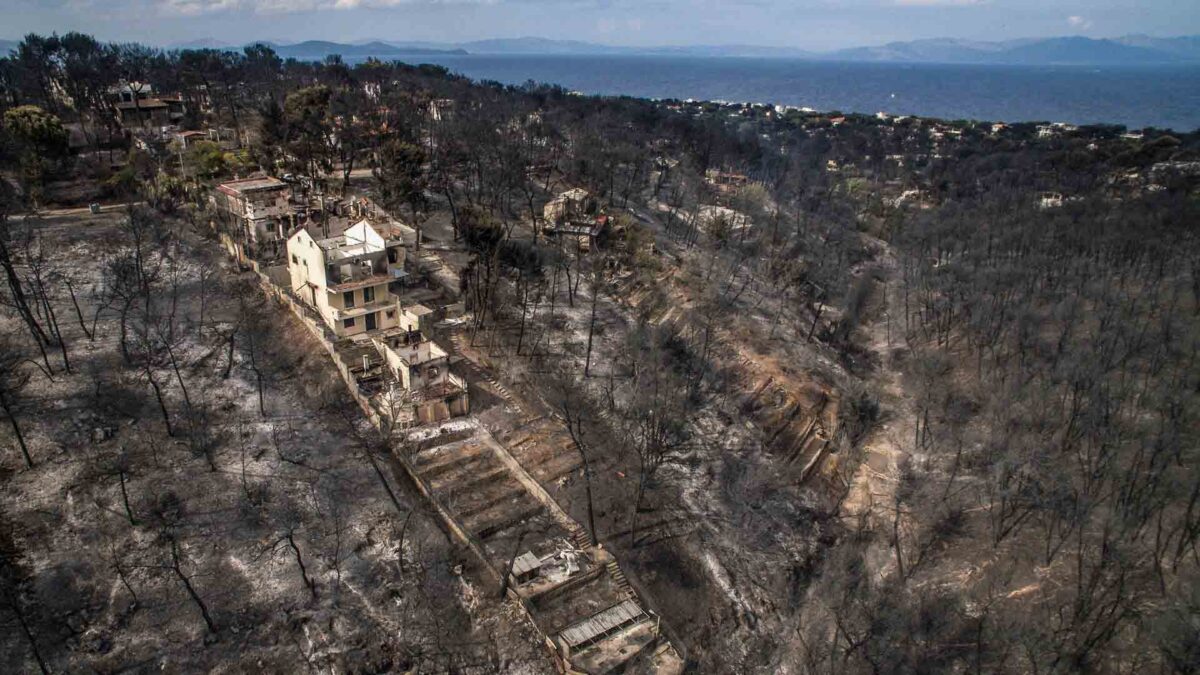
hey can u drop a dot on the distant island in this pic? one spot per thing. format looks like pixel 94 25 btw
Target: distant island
pixel 319 49
pixel 1129 50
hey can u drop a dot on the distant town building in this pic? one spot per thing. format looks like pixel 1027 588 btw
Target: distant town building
pixel 1050 200
pixel 187 139
pixel 150 111
pixel 128 92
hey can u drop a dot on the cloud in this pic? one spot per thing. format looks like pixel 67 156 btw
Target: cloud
pixel 1079 22
pixel 940 3
pixel 197 7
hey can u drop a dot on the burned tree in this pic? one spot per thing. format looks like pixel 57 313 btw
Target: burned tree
pixel 13 380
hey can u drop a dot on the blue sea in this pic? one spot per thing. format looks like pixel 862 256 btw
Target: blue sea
pixel 1143 96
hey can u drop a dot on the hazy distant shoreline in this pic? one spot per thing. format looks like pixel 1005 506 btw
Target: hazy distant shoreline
pixel 1165 96
pixel 1066 50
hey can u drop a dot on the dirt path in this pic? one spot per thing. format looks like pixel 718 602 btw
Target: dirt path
pixel 872 488
pixel 79 211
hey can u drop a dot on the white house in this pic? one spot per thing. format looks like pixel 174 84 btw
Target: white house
pixel 349 279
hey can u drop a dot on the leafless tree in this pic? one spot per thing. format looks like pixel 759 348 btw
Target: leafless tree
pixel 13 380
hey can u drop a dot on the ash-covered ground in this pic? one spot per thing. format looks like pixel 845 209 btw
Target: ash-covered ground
pixel 175 519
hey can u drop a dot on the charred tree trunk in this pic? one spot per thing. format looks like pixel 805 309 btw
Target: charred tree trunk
pixel 587 363
pixel 312 586
pixel 78 311
pixel 511 562
pixel 125 499
pixel 187 583
pixel 12 419
pixel 162 404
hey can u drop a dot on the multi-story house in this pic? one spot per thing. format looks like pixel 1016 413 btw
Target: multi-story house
pixel 418 366
pixel 258 212
pixel 349 279
pixel 156 112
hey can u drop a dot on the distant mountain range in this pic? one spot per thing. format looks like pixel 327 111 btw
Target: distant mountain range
pixel 319 49
pixel 1128 50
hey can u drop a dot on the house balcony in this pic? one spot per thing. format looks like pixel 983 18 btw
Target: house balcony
pixel 452 386
pixel 389 302
pixel 357 281
pixel 263 212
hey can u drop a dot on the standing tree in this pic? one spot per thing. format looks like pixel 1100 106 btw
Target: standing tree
pixel 570 405
pixel 402 181
pixel 310 132
pixel 40 139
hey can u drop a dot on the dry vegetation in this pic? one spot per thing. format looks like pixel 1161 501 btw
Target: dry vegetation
pixel 260 536
pixel 886 396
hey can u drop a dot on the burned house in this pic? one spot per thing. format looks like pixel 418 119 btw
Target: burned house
pixel 157 112
pixel 257 212
pixel 574 216
pixel 724 185
pixel 188 139
pixel 350 280
pixel 575 204
pixel 420 368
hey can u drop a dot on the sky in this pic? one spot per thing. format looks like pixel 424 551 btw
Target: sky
pixel 804 24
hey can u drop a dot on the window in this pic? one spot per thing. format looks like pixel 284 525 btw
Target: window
pixel 348 299
pixel 295 260
pixel 368 295
pixel 348 323
pixel 391 314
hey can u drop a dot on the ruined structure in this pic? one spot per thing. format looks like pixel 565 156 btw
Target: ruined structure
pixel 573 215
pixel 257 213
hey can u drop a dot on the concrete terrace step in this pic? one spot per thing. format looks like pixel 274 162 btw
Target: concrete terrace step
pixel 486 525
pixel 580 539
pixel 526 428
pixel 510 492
pixel 555 468
pixel 434 469
pixel 457 482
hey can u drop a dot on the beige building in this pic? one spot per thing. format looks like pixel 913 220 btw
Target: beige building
pixel 349 279
pixel 571 205
pixel 257 211
pixel 415 362
pixel 420 367
pixel 573 216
